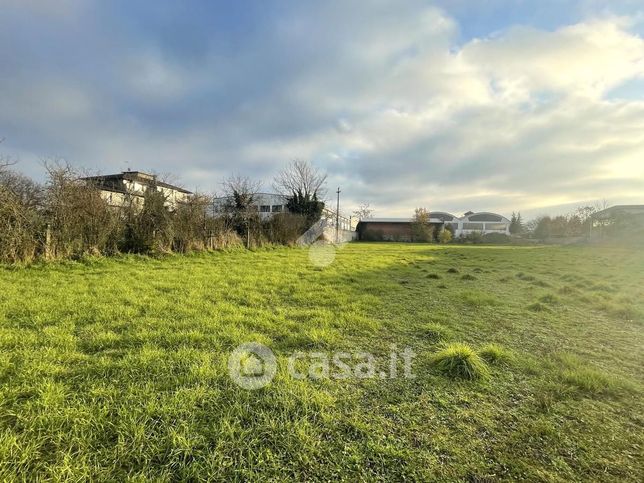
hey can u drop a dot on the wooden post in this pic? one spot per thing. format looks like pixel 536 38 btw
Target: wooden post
pixel 48 241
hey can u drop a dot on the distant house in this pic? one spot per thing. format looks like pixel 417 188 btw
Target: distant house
pixel 400 229
pixel 130 187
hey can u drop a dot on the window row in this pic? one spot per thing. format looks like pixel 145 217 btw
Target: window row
pixel 271 209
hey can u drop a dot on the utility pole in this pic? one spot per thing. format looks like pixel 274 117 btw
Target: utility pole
pixel 337 218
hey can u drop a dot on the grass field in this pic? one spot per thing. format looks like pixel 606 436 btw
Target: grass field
pixel 117 368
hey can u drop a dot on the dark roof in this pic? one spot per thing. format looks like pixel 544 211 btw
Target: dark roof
pixel 140 176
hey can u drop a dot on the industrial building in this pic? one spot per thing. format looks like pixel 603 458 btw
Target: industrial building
pixel 400 229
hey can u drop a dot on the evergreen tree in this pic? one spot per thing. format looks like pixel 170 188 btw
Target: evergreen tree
pixel 306 205
pixel 516 224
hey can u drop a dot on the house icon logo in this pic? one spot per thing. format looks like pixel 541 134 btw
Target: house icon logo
pixel 252 366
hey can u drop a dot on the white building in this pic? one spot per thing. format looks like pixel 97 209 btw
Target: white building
pixel 266 204
pixel 130 187
pixel 482 222
pixel 269 204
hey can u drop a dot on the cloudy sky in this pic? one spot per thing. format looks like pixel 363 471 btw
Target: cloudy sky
pixel 454 105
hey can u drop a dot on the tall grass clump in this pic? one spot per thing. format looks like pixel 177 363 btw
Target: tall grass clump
pixel 495 354
pixel 460 361
pixel 434 331
pixel 586 378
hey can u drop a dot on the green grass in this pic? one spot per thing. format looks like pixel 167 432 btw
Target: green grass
pixel 460 361
pixel 116 369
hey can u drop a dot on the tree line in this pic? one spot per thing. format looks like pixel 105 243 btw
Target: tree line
pixel 68 217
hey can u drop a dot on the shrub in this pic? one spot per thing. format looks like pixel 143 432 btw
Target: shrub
pixel 224 239
pixel 496 238
pixel 460 361
pixel 421 230
pixel 150 228
pixel 190 224
pixel 80 219
pixel 494 354
pixel 19 229
pixel 472 237
pixel 285 228
pixel 445 236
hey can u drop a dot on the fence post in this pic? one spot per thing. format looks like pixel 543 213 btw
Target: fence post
pixel 48 241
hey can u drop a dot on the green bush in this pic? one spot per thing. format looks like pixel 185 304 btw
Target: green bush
pixel 460 361
pixel 445 236
pixel 285 228
pixel 496 238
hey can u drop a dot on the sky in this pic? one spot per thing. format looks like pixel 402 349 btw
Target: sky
pixel 452 105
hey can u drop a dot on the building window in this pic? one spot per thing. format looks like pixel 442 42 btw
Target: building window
pixel 277 208
pixel 265 208
pixel 473 226
pixel 485 217
pixel 495 226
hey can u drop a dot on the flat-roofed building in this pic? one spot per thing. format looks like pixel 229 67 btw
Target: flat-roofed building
pixel 400 229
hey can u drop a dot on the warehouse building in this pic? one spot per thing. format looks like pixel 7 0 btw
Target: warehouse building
pixel 400 229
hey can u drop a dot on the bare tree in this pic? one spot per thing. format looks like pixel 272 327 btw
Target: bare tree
pixel 80 219
pixel 301 177
pixel 363 212
pixel 242 187
pixel 5 161
pixel 601 205
pixel 240 192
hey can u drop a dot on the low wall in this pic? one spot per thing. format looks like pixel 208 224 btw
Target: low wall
pixel 343 235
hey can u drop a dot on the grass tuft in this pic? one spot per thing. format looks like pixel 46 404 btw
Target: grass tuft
pixel 549 299
pixel 538 307
pixel 468 276
pixel 495 354
pixel 587 379
pixel 433 276
pixel 568 290
pixel 435 332
pixel 452 270
pixel 460 361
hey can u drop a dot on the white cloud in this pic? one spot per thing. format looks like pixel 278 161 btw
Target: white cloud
pixel 382 97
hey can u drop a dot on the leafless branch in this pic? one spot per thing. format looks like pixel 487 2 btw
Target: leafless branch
pixel 301 177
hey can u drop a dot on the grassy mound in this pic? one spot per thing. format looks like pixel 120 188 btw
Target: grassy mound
pixel 460 361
